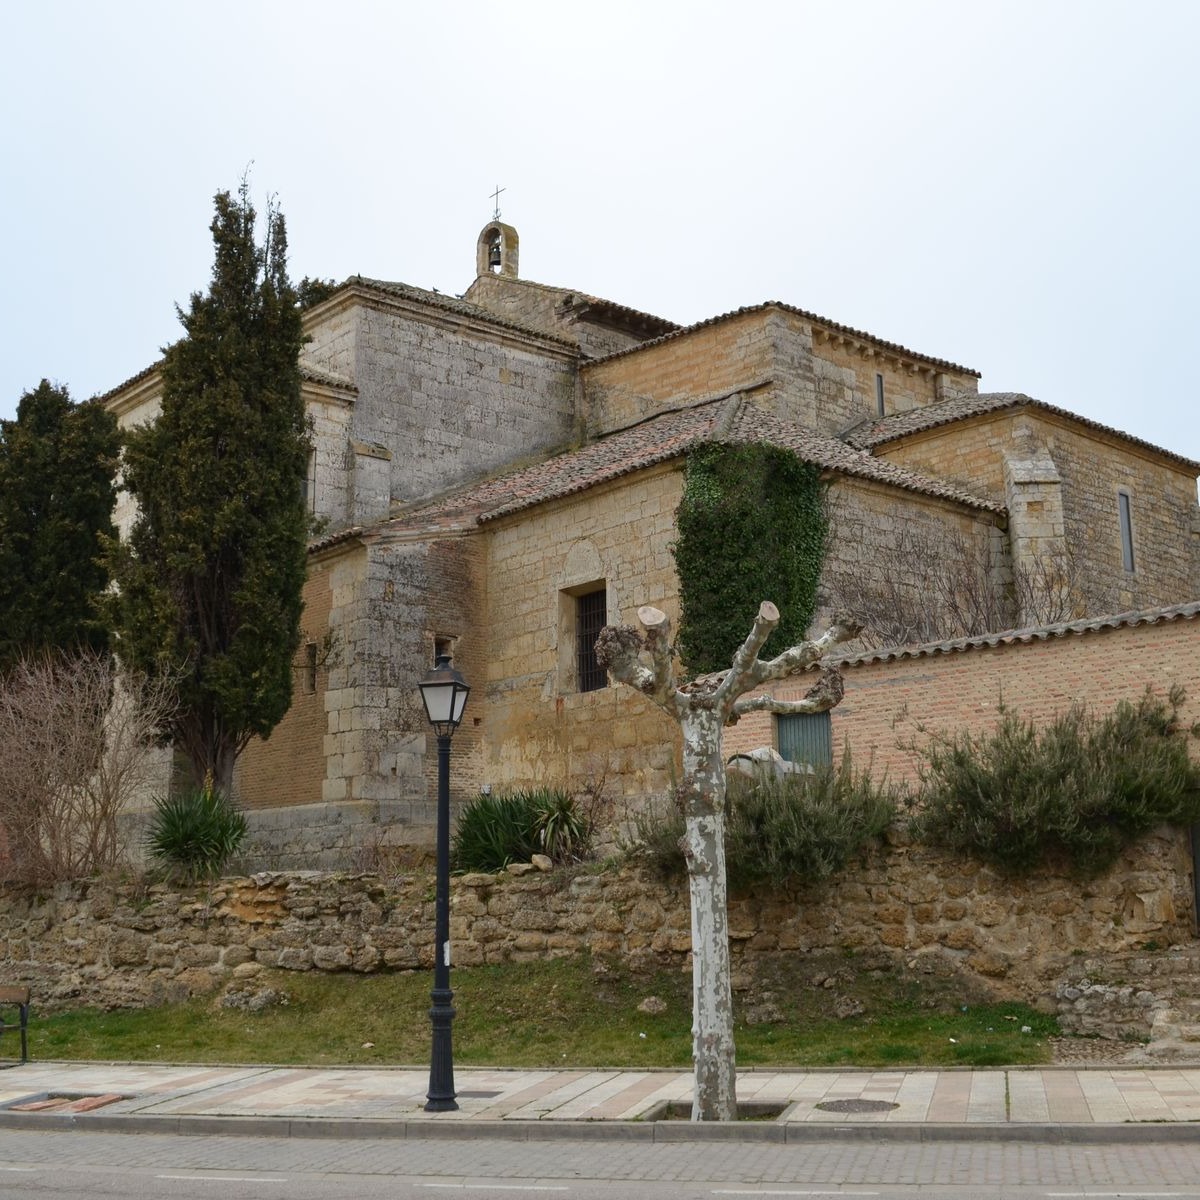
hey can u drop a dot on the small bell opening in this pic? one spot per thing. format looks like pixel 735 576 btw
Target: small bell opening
pixel 494 254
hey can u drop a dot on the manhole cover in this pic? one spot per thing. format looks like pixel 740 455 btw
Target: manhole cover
pixel 857 1106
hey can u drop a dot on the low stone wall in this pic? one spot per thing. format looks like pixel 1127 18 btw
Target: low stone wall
pixel 116 945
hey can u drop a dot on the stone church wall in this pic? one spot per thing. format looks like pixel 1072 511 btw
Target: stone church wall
pixel 539 728
pixel 1093 469
pixel 702 364
pixel 454 402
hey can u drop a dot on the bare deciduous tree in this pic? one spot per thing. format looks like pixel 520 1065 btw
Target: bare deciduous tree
pixel 703 707
pixel 75 741
pixel 932 587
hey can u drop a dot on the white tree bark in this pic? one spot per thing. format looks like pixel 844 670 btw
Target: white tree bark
pixel 702 708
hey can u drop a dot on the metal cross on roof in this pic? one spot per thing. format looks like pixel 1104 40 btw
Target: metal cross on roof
pixel 496 197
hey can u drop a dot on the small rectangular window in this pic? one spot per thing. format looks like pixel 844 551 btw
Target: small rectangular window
pixel 591 614
pixel 308 487
pixel 879 393
pixel 806 738
pixel 310 668
pixel 1126 514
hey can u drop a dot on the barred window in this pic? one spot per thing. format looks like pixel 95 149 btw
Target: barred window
pixel 591 611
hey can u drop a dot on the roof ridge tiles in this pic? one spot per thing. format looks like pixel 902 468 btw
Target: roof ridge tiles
pixel 659 439
pixel 848 330
pixel 1148 616
pixel 963 408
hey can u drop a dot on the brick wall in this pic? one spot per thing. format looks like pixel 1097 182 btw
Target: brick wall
pixel 288 767
pixel 964 688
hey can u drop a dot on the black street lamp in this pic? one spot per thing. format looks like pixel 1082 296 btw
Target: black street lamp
pixel 444 692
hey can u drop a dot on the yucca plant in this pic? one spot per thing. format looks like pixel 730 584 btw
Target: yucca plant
pixel 194 835
pixel 497 829
pixel 562 830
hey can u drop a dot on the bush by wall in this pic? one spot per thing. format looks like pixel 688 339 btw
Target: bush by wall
pixel 494 830
pixel 1073 793
pixel 801 829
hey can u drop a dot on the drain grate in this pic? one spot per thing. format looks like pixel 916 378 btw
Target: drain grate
pixel 857 1106
pixel 63 1102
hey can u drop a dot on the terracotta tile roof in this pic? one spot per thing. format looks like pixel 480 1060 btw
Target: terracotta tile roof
pixel 751 425
pixel 326 378
pixel 917 420
pixel 1038 633
pixel 824 322
pixel 311 373
pixel 661 439
pixel 144 373
pixel 620 313
pixel 451 304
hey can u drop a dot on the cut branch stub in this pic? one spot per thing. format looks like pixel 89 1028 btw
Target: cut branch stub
pixel 617 646
pixel 825 694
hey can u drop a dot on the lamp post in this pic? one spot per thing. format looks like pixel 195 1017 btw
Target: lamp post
pixel 444 692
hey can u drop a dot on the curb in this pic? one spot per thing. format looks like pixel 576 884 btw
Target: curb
pixel 431 1129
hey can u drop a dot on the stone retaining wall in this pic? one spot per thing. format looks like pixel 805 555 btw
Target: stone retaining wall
pixel 133 944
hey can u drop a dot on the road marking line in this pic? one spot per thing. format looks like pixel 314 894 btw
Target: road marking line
pixel 498 1187
pixel 29 1169
pixel 760 1192
pixel 227 1178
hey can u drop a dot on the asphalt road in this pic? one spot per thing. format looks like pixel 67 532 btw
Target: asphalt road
pixel 101 1165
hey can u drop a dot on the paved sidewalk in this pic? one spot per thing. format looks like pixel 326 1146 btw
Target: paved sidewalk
pixel 1056 1103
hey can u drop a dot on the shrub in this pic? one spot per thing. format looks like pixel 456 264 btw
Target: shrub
pixel 195 834
pixel 803 828
pixel 1072 794
pixel 494 830
pixel 75 741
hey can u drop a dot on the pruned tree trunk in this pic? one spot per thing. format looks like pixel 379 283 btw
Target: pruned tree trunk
pixel 703 800
pixel 703 707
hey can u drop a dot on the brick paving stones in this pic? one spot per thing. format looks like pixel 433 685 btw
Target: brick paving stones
pixel 975 1099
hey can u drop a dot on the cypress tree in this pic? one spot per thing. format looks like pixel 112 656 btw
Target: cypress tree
pixel 211 574
pixel 57 462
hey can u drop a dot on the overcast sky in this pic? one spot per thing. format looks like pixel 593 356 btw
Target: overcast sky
pixel 1008 185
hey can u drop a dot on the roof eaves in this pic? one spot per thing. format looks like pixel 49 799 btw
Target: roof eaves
pixel 1035 633
pixel 460 308
pixel 835 326
pixel 953 411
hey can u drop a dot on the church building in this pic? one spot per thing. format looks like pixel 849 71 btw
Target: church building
pixel 496 477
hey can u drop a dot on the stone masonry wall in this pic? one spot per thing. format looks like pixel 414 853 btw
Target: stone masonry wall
pixel 1166 531
pixel 288 767
pixel 538 727
pixel 454 402
pixel 111 945
pixel 704 363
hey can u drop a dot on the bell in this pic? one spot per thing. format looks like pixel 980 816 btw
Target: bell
pixel 494 255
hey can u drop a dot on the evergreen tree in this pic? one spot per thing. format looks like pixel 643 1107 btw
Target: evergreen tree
pixel 211 574
pixel 57 462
